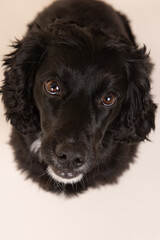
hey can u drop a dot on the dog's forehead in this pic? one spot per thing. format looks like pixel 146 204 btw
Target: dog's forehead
pixel 81 70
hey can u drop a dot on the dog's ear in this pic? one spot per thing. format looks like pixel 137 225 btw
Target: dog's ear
pixel 20 68
pixel 17 90
pixel 138 110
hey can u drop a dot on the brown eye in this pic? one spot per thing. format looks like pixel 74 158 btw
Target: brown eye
pixel 108 99
pixel 52 87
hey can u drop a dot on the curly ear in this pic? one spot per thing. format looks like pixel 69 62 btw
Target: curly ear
pixel 17 90
pixel 21 66
pixel 138 111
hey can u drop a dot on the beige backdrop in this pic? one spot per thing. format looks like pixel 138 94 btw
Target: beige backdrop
pixel 127 211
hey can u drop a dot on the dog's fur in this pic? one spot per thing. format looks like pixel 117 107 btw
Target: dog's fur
pixel 89 49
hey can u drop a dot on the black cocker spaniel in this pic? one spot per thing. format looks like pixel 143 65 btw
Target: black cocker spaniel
pixel 77 92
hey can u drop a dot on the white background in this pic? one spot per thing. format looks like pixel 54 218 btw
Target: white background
pixel 129 210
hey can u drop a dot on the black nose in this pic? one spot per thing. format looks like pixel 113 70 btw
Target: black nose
pixel 72 155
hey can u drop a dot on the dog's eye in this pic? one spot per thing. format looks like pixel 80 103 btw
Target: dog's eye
pixel 108 99
pixel 52 87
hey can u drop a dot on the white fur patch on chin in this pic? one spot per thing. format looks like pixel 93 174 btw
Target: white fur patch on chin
pixel 63 180
pixel 35 146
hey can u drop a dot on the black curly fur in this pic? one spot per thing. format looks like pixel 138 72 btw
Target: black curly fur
pixel 97 41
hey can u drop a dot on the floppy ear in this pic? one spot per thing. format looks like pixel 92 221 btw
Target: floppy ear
pixel 21 66
pixel 17 90
pixel 138 111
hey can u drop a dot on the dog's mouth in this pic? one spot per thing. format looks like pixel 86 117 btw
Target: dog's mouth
pixel 65 177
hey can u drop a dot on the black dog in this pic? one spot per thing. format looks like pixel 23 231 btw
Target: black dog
pixel 76 90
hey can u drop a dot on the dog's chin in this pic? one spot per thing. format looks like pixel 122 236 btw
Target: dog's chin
pixel 64 178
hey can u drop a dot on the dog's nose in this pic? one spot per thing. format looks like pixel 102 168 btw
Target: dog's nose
pixel 72 155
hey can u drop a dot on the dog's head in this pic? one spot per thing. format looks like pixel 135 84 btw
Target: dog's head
pixel 83 89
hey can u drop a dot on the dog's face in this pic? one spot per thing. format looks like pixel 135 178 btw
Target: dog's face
pixel 84 91
pixel 78 96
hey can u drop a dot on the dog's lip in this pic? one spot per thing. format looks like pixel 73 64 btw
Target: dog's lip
pixel 64 174
pixel 65 177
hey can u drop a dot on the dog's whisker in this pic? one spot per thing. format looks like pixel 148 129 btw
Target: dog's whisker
pixel 98 168
pixel 49 181
pixel 83 184
pixel 44 173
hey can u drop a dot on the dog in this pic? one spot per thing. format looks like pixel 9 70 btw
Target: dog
pixel 76 90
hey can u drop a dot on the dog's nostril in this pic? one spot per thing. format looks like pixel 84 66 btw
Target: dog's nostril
pixel 78 162
pixel 61 156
